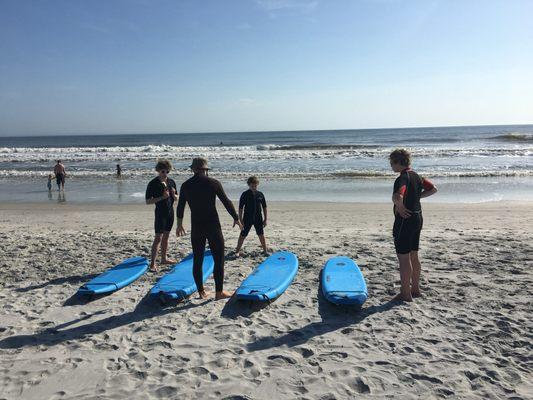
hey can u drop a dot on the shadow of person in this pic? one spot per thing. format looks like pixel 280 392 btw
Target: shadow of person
pixel 66 331
pixel 333 318
pixel 74 279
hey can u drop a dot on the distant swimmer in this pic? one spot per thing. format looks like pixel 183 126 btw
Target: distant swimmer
pixel 60 173
pixel 252 208
pixel 161 191
pixel 200 192
pixel 409 188
pixel 119 171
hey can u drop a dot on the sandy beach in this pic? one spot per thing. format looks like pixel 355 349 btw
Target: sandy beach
pixel 469 337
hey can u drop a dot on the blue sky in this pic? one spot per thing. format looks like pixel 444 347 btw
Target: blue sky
pixel 141 66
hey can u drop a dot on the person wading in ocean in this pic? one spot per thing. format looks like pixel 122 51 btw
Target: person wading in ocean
pixel 200 192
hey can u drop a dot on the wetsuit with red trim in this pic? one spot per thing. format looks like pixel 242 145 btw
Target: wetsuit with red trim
pixel 406 231
pixel 200 192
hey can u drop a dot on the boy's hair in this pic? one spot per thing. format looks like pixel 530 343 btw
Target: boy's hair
pixel 253 180
pixel 400 156
pixel 163 164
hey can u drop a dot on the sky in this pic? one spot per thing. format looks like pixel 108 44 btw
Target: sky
pixel 148 66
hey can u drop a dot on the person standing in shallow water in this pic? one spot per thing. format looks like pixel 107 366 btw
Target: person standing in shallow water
pixel 60 173
pixel 409 188
pixel 200 192
pixel 161 191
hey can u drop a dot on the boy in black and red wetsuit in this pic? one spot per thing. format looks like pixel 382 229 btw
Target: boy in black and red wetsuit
pixel 252 212
pixel 409 188
pixel 161 191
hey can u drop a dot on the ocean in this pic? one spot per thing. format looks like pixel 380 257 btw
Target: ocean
pixel 468 164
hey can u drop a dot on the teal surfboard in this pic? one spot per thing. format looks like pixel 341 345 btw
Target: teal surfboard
pixel 116 278
pixel 270 279
pixel 179 282
pixel 343 282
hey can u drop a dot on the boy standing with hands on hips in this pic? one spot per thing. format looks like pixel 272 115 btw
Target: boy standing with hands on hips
pixel 161 191
pixel 252 206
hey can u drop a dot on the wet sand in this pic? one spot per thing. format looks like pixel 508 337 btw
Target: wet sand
pixel 469 337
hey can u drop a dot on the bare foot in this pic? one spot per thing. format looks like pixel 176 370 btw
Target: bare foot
pixel 223 295
pixel 238 254
pixel 203 294
pixel 400 298
pixel 416 294
pixel 168 261
pixel 153 268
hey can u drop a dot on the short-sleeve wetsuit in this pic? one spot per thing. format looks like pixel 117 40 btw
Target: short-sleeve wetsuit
pixel 406 231
pixel 252 203
pixel 164 211
pixel 200 192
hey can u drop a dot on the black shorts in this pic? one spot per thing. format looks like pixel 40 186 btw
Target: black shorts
pixel 406 233
pixel 163 222
pixel 60 178
pixel 258 225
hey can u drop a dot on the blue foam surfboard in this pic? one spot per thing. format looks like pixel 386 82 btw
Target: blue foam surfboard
pixel 117 277
pixel 270 279
pixel 343 282
pixel 179 282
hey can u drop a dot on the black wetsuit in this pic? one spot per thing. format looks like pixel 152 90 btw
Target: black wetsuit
pixel 164 211
pixel 252 203
pixel 200 192
pixel 406 231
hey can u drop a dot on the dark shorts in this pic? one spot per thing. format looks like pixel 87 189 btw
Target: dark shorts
pixel 60 178
pixel 258 225
pixel 163 222
pixel 406 233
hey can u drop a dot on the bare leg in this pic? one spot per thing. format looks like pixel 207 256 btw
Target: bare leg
pixel 263 243
pixel 405 278
pixel 164 247
pixel 239 245
pixel 155 248
pixel 415 277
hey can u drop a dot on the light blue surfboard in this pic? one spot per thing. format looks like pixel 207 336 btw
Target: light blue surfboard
pixel 116 278
pixel 179 282
pixel 270 279
pixel 343 282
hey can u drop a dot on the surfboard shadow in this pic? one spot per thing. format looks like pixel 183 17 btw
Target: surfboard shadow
pixel 333 317
pixel 241 308
pixel 63 332
pixel 75 279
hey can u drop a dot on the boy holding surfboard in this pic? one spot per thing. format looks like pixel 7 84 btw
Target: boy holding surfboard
pixel 161 191
pixel 409 188
pixel 251 203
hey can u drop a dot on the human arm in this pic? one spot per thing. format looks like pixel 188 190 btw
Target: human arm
pixel 429 188
pixel 400 187
pixel 265 212
pixel 227 204
pixel 180 211
pixel 151 197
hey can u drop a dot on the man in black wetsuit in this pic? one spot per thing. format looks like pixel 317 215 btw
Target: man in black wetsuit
pixel 252 206
pixel 200 192
pixel 409 188
pixel 161 191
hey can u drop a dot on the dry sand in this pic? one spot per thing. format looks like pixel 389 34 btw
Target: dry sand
pixel 469 337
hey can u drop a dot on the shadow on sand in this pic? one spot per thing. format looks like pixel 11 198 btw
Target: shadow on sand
pixel 241 308
pixel 73 280
pixel 333 318
pixel 146 309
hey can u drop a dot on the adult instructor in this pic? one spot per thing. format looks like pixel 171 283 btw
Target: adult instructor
pixel 200 192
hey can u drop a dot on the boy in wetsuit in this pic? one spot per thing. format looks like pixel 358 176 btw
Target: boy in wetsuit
pixel 161 191
pixel 409 188
pixel 251 203
pixel 200 192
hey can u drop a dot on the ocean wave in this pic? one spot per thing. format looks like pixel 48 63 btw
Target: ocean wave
pixel 515 137
pixel 239 153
